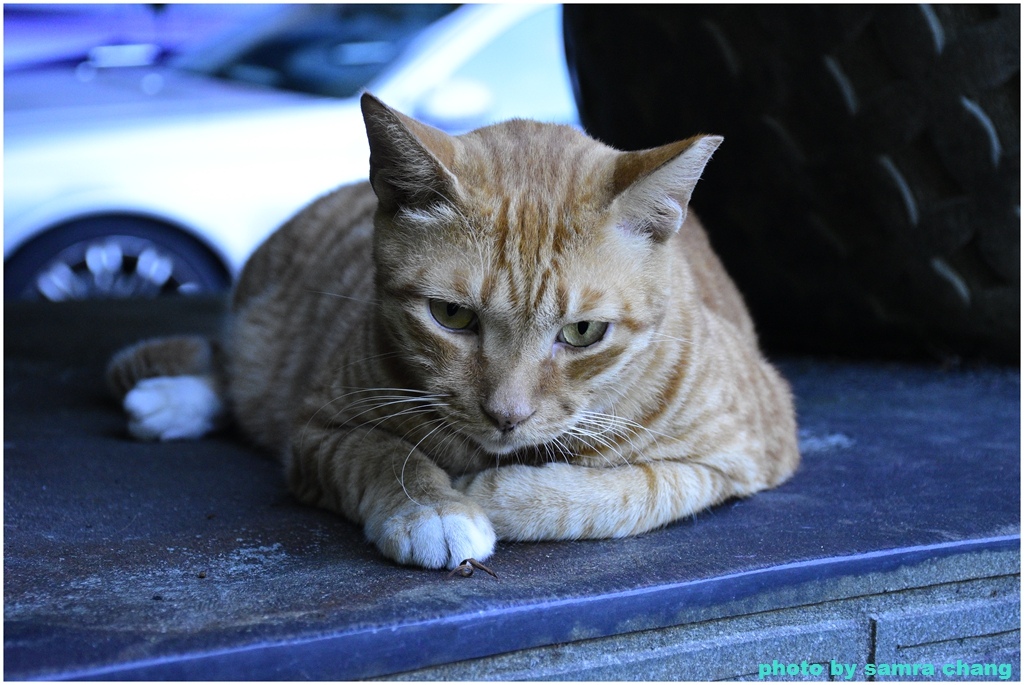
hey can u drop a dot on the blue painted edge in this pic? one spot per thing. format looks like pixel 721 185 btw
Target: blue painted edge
pixel 380 650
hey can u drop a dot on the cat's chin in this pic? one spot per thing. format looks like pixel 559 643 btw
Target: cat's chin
pixel 504 444
pixel 500 448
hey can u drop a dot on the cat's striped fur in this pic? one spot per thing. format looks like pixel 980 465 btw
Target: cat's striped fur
pixel 518 332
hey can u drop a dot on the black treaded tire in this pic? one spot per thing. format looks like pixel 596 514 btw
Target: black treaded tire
pixel 867 196
pixel 178 263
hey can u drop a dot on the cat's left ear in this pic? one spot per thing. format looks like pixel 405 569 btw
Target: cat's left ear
pixel 409 161
pixel 652 188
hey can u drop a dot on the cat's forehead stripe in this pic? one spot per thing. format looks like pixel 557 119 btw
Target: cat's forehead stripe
pixel 554 165
pixel 487 287
pixel 460 285
pixel 589 298
pixel 544 280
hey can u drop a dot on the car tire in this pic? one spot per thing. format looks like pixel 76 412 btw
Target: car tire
pixel 112 257
pixel 867 196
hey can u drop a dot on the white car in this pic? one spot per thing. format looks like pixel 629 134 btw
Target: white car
pixel 124 178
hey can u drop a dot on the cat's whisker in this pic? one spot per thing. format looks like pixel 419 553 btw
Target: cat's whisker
pixel 601 424
pixel 369 358
pixel 548 451
pixel 402 415
pixel 600 441
pixel 392 399
pixel 305 428
pixel 477 450
pixel 386 401
pixel 605 429
pixel 401 476
pixel 567 452
pixel 351 423
pixel 446 446
pixel 354 391
pixel 372 398
pixel 342 297
pixel 562 450
pixel 668 338
pixel 556 450
pixel 382 400
pixel 634 427
pixel 412 411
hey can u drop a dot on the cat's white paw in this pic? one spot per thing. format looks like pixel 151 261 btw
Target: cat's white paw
pixel 172 408
pixel 441 536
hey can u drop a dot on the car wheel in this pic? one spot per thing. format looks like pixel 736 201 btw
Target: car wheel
pixel 112 257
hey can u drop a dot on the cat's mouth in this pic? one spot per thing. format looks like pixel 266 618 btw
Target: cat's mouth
pixel 523 446
pixel 501 443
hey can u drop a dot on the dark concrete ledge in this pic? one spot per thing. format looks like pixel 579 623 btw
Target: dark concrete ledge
pixel 897 539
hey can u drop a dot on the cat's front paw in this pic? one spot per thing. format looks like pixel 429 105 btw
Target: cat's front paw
pixel 483 489
pixel 434 536
pixel 172 408
pixel 524 502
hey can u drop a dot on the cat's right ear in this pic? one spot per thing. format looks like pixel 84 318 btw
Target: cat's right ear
pixel 409 161
pixel 652 187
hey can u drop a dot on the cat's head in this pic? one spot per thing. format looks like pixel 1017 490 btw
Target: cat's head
pixel 523 269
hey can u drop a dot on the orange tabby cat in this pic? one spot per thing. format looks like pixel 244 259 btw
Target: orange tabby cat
pixel 516 333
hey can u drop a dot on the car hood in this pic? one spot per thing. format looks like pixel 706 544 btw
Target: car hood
pixel 65 99
pixel 223 159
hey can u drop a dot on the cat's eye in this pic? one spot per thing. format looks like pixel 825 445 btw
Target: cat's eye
pixel 451 315
pixel 582 333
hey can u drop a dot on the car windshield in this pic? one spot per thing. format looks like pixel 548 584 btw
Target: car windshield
pixel 330 50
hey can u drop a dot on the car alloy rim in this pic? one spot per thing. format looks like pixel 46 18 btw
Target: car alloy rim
pixel 113 267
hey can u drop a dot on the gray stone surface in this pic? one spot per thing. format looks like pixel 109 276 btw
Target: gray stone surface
pixel 974 621
pixel 189 560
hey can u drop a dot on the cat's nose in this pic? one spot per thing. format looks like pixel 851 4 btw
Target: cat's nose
pixel 508 418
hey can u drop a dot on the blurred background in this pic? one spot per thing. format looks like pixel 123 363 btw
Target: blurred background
pixel 148 149
pixel 867 196
pixel 866 199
